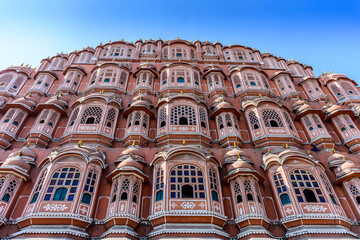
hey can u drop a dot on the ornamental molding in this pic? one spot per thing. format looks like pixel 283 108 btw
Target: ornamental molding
pixel 315 208
pixel 55 207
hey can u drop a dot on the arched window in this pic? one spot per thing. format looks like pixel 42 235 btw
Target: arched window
pixel 182 115
pixel 213 185
pixel 309 195
pixel 159 185
pixel 349 89
pixel 73 117
pixel 237 190
pixel 114 191
pixel 110 118
pixel 203 117
pixel 163 117
pixel 92 115
pixel 272 119
pixel 220 122
pixel 60 194
pixel 64 178
pixel 136 188
pixel 89 186
pixel 285 199
pixel 328 187
pixel 336 90
pixel 9 191
pixel 228 120
pixel 124 189
pixel 281 188
pixel 38 187
pixel 254 120
pixel 248 191
pixel 187 191
pixel 289 121
pixel 182 177
pixel 237 82
pixel 306 187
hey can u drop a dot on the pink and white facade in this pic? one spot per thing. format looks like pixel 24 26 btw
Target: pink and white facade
pixel 177 139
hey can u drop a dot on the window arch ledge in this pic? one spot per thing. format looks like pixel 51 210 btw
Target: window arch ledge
pixel 85 153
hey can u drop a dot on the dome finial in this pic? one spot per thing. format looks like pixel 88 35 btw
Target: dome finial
pixel 184 142
pixel 333 149
pixel 133 143
pixel 80 143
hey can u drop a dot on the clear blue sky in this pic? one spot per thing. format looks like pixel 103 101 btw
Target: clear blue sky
pixel 323 34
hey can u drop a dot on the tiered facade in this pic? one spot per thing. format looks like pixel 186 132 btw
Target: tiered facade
pixel 165 139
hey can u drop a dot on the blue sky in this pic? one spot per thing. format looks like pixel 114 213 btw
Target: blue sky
pixel 323 34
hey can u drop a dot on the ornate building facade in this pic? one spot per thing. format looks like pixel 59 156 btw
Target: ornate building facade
pixel 168 139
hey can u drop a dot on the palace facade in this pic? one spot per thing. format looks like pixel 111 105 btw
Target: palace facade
pixel 177 139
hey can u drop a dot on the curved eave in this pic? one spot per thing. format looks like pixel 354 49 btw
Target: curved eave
pixel 281 73
pixel 241 68
pixel 52 74
pixel 306 79
pixel 22 106
pixel 225 109
pixel 119 43
pixel 258 101
pixel 53 106
pixel 215 70
pixel 152 71
pixel 174 64
pixel 139 108
pixel 170 99
pixel 134 171
pixel 318 112
pixel 76 68
pixel 83 154
pixel 337 112
pixel 16 171
pixel 18 71
pixel 206 156
pixel 243 172
pixel 178 41
pixel 352 174
pixel 89 98
pixel 113 64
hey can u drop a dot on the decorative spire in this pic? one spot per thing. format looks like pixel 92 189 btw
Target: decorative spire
pixel 184 142
pixel 28 144
pixel 80 143
pixel 333 149
pixel 20 152
pixel 133 144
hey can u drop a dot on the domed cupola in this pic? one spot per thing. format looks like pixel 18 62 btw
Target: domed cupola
pixel 348 169
pixel 335 160
pixel 19 162
pixel 235 154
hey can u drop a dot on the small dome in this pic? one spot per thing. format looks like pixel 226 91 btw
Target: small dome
pixel 15 160
pixel 132 151
pixel 336 160
pixel 27 152
pixel 239 164
pixel 130 163
pixel 58 100
pixel 235 153
pixel 348 165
